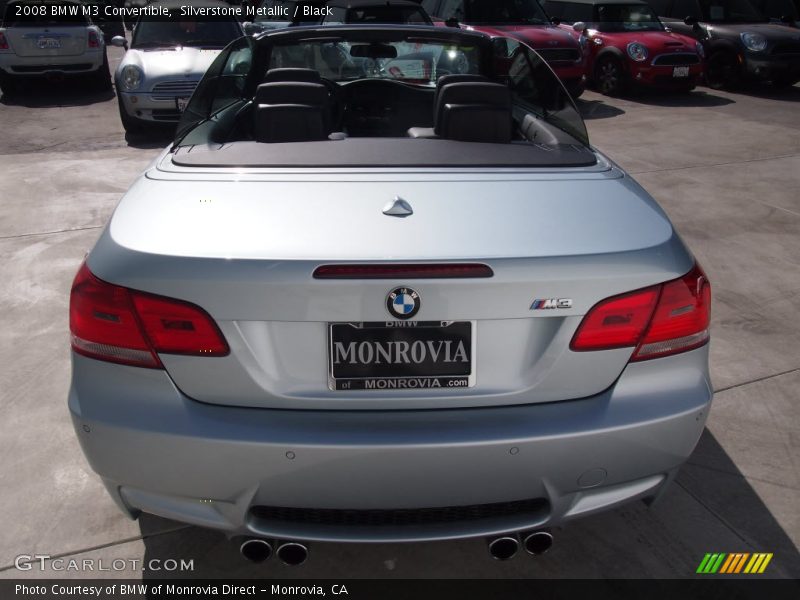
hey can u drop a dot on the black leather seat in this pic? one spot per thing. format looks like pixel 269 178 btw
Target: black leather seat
pixel 291 111
pixel 474 112
pixel 428 132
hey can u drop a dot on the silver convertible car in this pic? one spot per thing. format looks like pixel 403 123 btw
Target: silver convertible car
pixel 381 288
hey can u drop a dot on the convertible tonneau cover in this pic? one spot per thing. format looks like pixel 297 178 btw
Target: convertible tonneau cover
pixel 384 152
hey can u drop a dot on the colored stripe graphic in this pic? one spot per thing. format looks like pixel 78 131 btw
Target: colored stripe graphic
pixel 758 563
pixel 711 563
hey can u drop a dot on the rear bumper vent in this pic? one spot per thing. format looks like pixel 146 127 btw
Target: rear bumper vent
pixel 537 507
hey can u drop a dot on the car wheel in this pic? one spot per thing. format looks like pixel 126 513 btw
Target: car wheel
pixel 722 70
pixel 609 76
pixel 130 124
pixel 101 79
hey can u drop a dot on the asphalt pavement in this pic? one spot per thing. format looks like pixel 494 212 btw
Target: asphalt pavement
pixel 726 168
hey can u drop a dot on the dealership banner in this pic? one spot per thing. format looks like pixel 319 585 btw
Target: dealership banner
pixel 402 589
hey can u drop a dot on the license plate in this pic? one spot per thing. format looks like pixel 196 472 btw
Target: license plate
pixel 401 355
pixel 180 104
pixel 680 72
pixel 49 43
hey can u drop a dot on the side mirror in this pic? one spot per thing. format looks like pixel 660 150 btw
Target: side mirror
pixel 119 42
pixel 555 21
pixel 691 21
pixel 580 26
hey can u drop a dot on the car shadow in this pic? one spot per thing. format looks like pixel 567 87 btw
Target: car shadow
pixel 693 99
pixel 769 92
pixel 711 507
pixel 49 94
pixel 597 109
pixel 155 137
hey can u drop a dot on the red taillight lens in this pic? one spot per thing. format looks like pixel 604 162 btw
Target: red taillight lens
pixel 3 42
pixel 616 322
pixel 681 320
pixel 94 40
pixel 113 323
pixel 661 320
pixel 403 271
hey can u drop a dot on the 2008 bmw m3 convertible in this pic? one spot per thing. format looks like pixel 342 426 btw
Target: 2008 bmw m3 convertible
pixel 382 288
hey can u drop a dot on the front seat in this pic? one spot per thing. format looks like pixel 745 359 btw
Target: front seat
pixel 291 111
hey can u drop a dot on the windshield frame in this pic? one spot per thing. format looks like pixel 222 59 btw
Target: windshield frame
pixel 263 45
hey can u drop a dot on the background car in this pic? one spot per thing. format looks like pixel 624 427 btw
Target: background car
pixel 526 21
pixel 40 45
pixel 740 42
pixel 374 11
pixel 629 45
pixel 165 61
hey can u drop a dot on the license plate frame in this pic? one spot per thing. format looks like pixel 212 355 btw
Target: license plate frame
pixel 680 72
pixel 426 376
pixel 48 43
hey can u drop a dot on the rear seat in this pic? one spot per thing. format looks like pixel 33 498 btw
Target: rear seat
pixel 291 111
pixel 469 108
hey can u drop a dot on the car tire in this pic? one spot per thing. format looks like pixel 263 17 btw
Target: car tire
pixel 609 76
pixel 101 79
pixel 8 84
pixel 722 70
pixel 129 124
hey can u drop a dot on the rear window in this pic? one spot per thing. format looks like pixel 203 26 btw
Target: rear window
pixel 44 14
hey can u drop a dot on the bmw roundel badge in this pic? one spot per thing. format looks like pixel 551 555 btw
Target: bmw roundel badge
pixel 403 303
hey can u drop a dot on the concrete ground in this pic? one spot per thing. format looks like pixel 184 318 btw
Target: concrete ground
pixel 725 166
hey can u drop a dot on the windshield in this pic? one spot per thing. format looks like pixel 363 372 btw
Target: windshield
pixel 627 17
pixel 503 12
pixel 778 9
pixel 181 31
pixel 44 14
pixel 417 63
pixel 730 11
pixel 379 14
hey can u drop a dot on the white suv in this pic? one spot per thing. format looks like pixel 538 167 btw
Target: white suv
pixel 50 39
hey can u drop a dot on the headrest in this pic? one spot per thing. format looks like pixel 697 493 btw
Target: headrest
pixel 478 92
pixel 291 92
pixel 289 74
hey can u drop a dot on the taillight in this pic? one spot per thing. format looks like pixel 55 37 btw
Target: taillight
pixel 658 321
pixel 94 39
pixel 3 41
pixel 113 323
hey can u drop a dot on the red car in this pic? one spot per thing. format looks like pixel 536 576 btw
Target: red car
pixel 629 45
pixel 526 21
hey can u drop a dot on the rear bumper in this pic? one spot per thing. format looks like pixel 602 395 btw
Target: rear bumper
pixel 37 66
pixel 163 453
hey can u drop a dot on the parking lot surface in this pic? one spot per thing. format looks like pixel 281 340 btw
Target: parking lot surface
pixel 725 167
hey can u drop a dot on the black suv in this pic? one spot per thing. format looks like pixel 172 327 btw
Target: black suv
pixel 740 41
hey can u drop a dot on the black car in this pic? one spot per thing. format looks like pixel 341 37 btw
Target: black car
pixel 740 41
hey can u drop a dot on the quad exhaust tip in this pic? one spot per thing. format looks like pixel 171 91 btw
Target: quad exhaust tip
pixel 503 548
pixel 538 542
pixel 256 550
pixel 292 553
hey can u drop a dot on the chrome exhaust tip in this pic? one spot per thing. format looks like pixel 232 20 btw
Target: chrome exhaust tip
pixel 538 542
pixel 503 548
pixel 292 553
pixel 256 550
